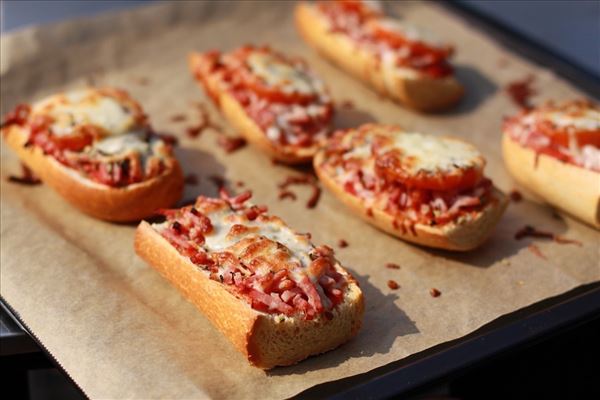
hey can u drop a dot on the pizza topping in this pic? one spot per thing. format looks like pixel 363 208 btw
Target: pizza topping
pixel 569 132
pixel 414 177
pixel 282 96
pixel 256 256
pixel 400 47
pixel 102 133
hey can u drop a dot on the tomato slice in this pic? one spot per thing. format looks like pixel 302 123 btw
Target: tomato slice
pixel 392 167
pixel 560 137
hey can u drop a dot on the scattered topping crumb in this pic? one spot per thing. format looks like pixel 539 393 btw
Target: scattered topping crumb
pixel 515 196
pixel 304 180
pixel 392 266
pixel 287 194
pixel 231 144
pixel 536 250
pixel 530 231
pixel 240 184
pixel 27 177
pixel 178 118
pixel 520 91
pixel 392 284
pixel 505 261
pixel 342 243
pixel 142 81
pixel 191 179
pixel 435 292
pixel 347 104
pixel 217 180
pixel 169 138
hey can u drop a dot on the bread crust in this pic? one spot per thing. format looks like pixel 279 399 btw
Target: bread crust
pixel 451 236
pixel 131 203
pixel 571 188
pixel 418 92
pixel 263 339
pixel 237 117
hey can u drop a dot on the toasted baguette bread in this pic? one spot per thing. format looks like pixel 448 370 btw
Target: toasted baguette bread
pixel 451 236
pixel 131 203
pixel 237 117
pixel 416 91
pixel 266 339
pixel 573 189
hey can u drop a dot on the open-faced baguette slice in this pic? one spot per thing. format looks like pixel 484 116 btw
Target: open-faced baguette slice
pixel 412 88
pixel 206 68
pixel 121 203
pixel 463 231
pixel 554 151
pixel 228 270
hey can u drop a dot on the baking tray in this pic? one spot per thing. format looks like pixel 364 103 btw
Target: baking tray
pixel 507 332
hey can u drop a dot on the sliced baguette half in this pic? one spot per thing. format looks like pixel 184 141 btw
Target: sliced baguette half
pixel 241 122
pixel 131 203
pixel 266 340
pixel 462 236
pixel 416 91
pixel 571 188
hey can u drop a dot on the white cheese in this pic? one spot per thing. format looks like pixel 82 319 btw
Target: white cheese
pixel 430 153
pixel 588 120
pixel 280 74
pixel 120 144
pixel 86 107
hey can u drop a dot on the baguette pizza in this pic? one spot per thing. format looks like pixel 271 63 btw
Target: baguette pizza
pixel 269 290
pixel 396 59
pixel 96 148
pixel 421 188
pixel 275 102
pixel 554 150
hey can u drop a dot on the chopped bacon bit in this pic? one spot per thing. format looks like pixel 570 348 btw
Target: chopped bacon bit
pixel 205 122
pixel 515 196
pixel 392 266
pixel 369 212
pixel 191 179
pixel 530 231
pixel 347 104
pixel 142 81
pixel 253 212
pixel 169 138
pixel 305 179
pixel 178 118
pixel 434 292
pixel 287 194
pixel 342 243
pixel 536 250
pixel 392 284
pixel 231 144
pixel 194 131
pixel 520 91
pixel 27 177
pixel 314 198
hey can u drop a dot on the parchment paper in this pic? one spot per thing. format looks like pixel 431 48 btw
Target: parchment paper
pixel 121 331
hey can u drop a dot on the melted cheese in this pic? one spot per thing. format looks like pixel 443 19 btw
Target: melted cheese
pixel 131 142
pixel 430 153
pixel 586 120
pixel 298 246
pixel 280 74
pixel 86 107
